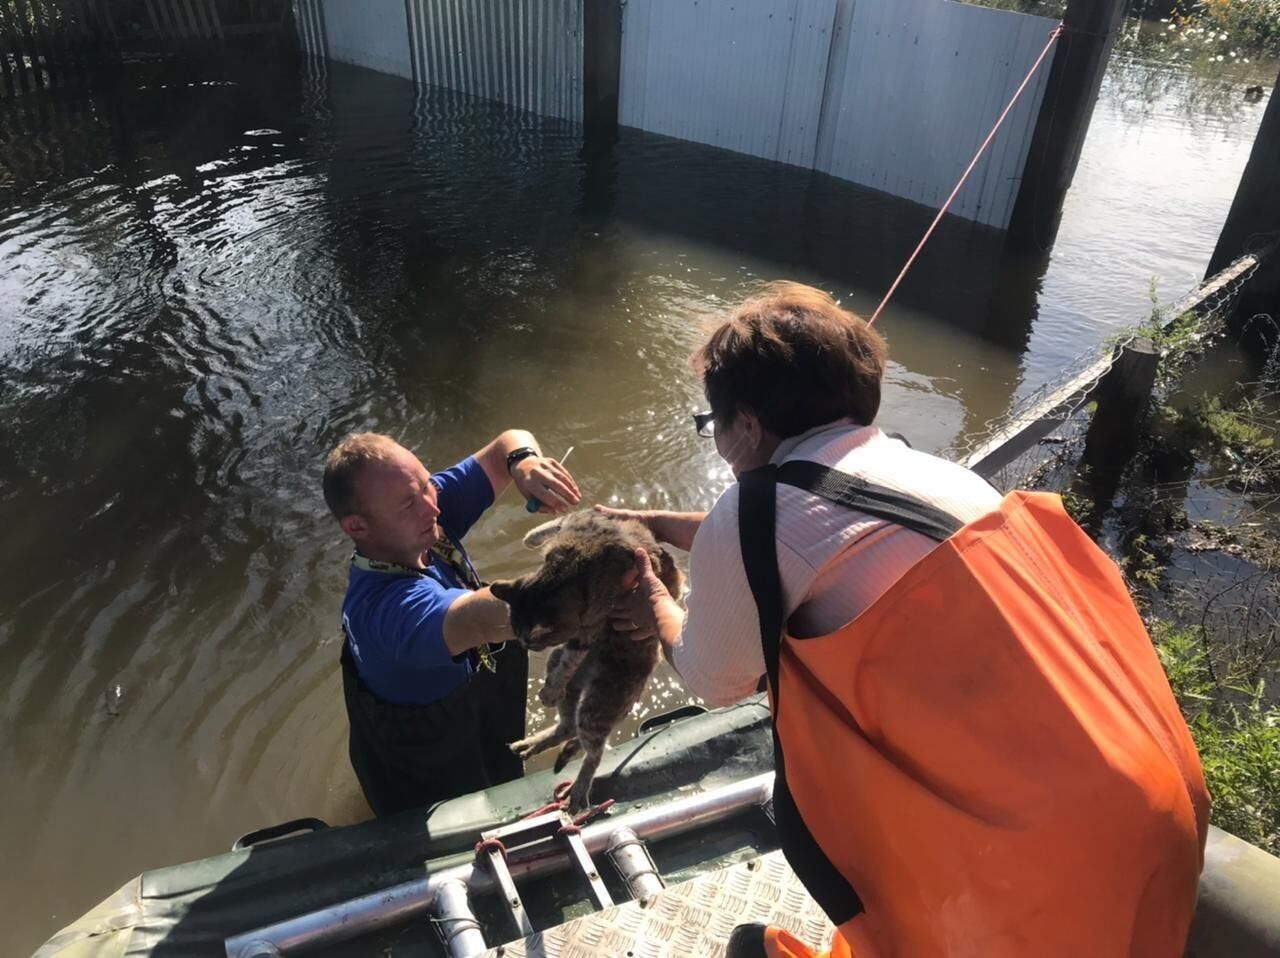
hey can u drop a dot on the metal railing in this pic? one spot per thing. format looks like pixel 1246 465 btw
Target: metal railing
pixel 360 916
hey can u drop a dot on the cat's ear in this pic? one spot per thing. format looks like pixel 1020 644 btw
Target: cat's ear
pixel 536 536
pixel 505 589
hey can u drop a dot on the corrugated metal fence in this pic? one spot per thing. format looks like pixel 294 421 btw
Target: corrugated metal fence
pixel 526 53
pixel 45 42
pixel 892 94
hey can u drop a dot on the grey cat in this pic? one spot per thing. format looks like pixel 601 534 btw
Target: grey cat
pixel 595 674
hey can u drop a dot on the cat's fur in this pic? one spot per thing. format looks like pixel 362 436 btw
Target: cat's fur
pixel 595 674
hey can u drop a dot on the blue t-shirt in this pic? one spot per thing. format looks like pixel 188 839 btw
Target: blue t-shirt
pixel 394 623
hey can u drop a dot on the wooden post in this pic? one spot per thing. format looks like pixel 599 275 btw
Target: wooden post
pixel 1256 208
pixel 1065 111
pixel 8 78
pixel 32 41
pixel 601 67
pixel 1121 396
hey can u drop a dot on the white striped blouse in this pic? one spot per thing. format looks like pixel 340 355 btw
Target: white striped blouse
pixel 833 562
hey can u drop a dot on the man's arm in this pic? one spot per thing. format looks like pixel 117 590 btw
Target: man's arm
pixel 673 528
pixel 537 476
pixel 474 619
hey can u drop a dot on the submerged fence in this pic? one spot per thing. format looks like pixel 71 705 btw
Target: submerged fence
pixel 891 94
pixel 525 53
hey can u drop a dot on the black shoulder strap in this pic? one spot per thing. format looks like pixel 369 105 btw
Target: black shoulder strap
pixel 856 493
pixel 757 524
pixel 757 515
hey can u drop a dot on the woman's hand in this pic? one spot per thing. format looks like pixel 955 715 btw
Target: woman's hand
pixel 643 611
pixel 673 528
pixel 545 479
pixel 643 517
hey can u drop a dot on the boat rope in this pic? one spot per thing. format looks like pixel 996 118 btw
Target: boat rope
pixel 1053 38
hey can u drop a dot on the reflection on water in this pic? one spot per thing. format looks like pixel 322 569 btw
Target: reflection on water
pixel 1156 178
pixel 213 271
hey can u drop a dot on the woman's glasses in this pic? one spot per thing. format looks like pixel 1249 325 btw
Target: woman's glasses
pixel 705 423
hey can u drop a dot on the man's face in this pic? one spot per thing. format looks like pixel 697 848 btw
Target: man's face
pixel 398 508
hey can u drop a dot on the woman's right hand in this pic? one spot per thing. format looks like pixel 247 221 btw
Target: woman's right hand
pixel 646 518
pixel 673 528
pixel 641 609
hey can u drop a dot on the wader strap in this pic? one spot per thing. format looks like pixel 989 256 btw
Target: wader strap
pixel 412 756
pixel 856 493
pixel 757 522
pixel 757 514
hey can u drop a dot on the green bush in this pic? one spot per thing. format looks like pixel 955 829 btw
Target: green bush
pixel 1243 24
pixel 1237 733
pixel 1212 31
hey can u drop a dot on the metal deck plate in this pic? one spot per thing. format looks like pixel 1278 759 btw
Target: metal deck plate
pixel 689 920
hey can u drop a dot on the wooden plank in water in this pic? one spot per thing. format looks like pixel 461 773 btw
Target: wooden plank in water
pixel 1047 414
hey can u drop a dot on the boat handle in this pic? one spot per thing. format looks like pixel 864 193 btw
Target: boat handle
pixel 272 832
pixel 666 718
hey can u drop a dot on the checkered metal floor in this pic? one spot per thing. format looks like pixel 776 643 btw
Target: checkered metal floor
pixel 689 920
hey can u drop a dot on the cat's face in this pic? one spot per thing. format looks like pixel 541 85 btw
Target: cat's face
pixel 568 599
pixel 541 616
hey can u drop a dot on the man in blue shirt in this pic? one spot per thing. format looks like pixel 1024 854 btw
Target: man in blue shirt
pixel 432 694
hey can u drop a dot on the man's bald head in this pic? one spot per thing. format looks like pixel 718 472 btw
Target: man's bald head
pixel 345 464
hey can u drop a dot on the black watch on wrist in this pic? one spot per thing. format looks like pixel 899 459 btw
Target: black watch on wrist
pixel 524 452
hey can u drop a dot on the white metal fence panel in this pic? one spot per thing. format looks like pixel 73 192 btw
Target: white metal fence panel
pixel 527 53
pixel 371 33
pixel 893 94
pixel 308 15
pixel 915 89
pixel 746 75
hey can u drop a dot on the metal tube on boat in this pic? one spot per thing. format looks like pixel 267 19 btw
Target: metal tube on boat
pixel 456 921
pixel 359 916
pixel 630 856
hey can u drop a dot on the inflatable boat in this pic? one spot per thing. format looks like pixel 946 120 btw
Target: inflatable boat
pixel 685 852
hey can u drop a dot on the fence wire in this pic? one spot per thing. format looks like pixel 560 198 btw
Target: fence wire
pixel 1047 427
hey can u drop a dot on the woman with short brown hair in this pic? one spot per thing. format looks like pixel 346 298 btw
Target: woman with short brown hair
pixel 976 749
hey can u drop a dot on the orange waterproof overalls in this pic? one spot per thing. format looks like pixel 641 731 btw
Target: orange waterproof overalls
pixel 989 761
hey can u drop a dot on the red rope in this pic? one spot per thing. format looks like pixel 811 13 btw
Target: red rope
pixel 1053 38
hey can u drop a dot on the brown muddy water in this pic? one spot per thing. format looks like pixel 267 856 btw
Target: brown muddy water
pixel 210 271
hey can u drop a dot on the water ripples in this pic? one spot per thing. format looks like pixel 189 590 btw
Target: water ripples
pixel 206 286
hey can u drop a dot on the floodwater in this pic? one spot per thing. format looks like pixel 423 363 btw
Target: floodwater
pixel 212 271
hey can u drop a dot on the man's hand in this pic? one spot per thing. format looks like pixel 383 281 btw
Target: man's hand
pixel 546 480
